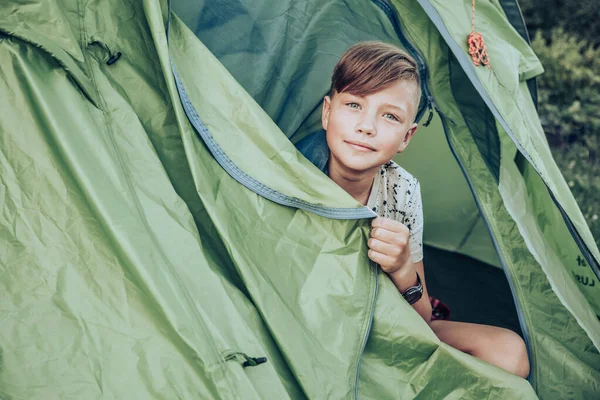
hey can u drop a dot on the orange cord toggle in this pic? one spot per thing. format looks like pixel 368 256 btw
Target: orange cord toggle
pixel 477 49
pixel 476 44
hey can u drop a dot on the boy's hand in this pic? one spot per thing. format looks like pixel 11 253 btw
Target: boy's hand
pixel 388 245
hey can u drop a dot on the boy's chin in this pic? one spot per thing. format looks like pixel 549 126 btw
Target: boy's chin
pixel 361 167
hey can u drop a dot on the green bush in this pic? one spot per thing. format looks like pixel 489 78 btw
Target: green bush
pixel 569 108
pixel 569 90
pixel 578 17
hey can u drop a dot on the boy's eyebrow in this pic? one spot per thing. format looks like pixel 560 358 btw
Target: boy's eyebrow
pixel 403 109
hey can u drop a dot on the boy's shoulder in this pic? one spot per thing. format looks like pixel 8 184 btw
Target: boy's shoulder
pixel 395 174
pixel 396 194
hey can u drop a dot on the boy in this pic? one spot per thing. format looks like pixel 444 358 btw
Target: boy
pixel 368 118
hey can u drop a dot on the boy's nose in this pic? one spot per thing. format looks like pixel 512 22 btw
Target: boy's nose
pixel 366 126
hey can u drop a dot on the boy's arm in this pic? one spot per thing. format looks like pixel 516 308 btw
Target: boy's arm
pixel 406 278
pixel 389 247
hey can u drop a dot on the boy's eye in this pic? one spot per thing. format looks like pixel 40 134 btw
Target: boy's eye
pixel 353 105
pixel 391 117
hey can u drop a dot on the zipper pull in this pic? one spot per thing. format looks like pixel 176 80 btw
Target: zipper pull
pixel 113 58
pixel 253 361
pixel 244 359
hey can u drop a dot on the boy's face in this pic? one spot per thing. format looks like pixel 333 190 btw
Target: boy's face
pixel 363 133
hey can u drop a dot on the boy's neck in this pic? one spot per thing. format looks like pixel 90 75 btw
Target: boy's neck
pixel 358 184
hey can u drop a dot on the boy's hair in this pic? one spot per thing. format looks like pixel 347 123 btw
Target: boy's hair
pixel 368 67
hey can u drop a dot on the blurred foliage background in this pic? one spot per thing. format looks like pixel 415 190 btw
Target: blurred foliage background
pixel 566 37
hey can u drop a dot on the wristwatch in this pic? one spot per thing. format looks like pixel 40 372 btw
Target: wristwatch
pixel 414 293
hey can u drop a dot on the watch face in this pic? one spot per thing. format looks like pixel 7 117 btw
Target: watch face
pixel 413 294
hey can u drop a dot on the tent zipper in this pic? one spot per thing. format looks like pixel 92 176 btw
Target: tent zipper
pixel 467 66
pixel 324 211
pixel 424 73
pixel 511 283
pixel 375 269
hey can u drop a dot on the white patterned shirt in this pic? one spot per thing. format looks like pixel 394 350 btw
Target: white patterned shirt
pixel 396 194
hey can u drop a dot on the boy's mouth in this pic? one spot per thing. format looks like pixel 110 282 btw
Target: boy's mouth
pixel 360 146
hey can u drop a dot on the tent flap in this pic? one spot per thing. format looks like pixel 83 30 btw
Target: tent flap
pixel 159 230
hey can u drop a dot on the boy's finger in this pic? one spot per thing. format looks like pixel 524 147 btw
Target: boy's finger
pixel 389 224
pixel 380 258
pixel 384 248
pixel 391 237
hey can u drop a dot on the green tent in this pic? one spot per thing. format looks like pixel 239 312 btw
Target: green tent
pixel 162 237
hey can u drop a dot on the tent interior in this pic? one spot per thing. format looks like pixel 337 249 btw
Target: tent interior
pixel 283 54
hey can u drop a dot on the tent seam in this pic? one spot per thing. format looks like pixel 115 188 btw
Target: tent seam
pixel 251 183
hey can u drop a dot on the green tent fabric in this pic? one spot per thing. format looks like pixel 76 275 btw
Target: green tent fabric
pixel 161 236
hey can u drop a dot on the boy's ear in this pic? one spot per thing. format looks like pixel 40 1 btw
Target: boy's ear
pixel 409 134
pixel 325 113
